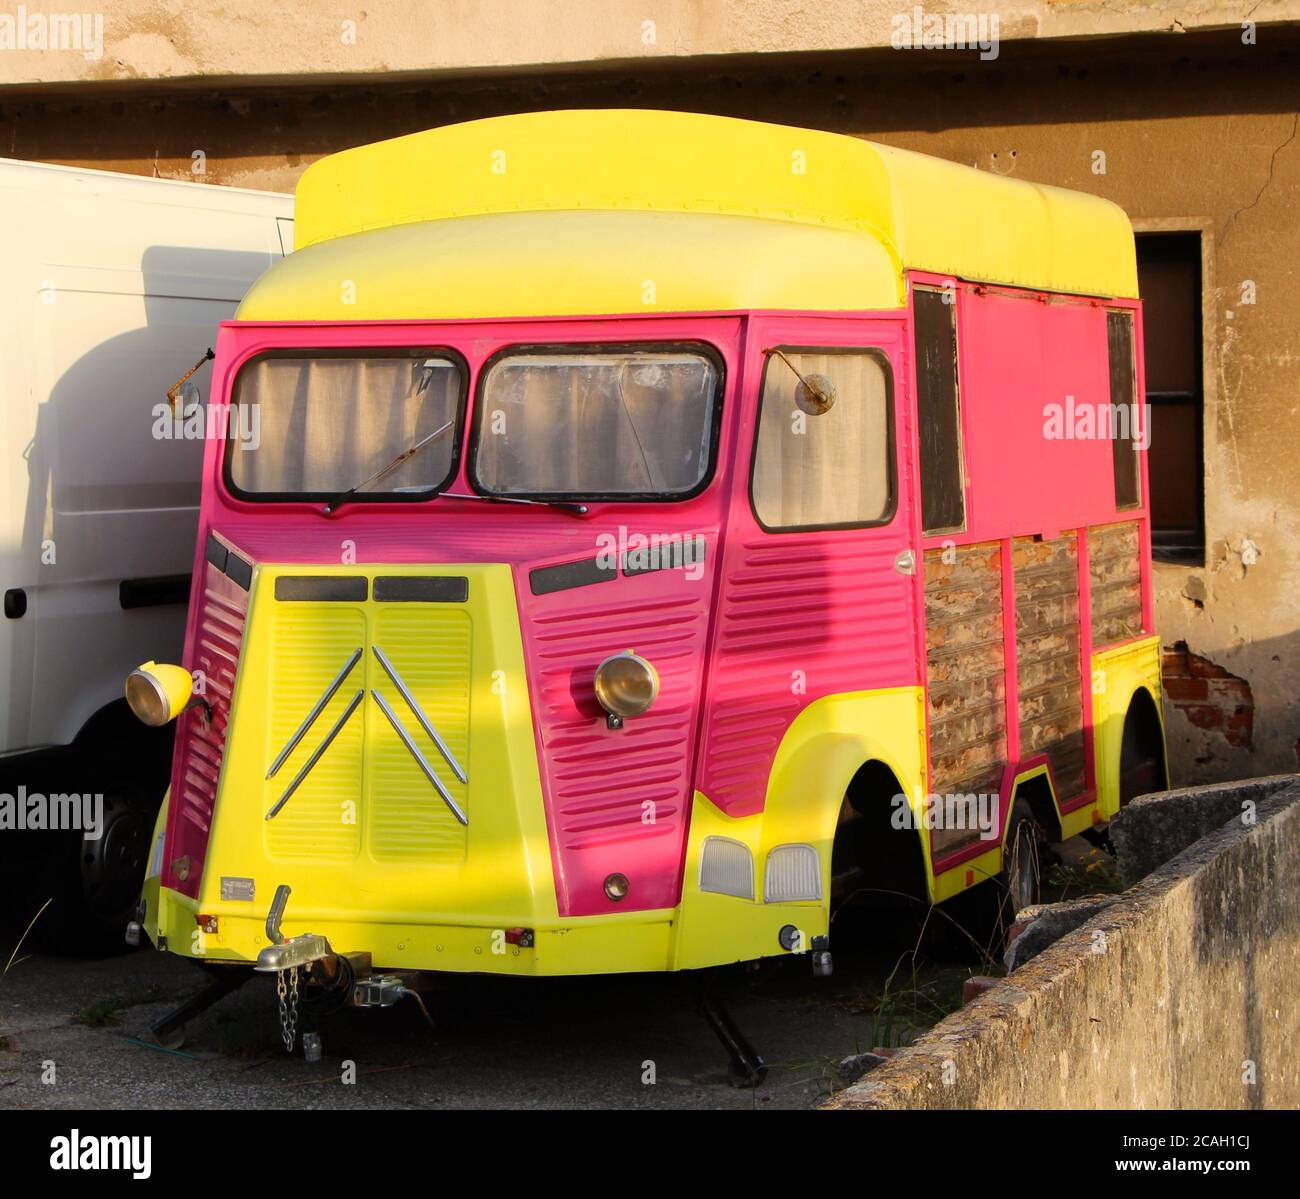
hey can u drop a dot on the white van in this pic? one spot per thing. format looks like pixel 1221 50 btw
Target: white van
pixel 111 288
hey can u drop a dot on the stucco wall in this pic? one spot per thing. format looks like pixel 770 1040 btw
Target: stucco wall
pixel 1178 995
pixel 1198 130
pixel 249 41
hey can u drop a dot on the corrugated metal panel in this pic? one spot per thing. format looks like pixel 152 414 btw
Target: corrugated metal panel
pixel 429 647
pixel 800 616
pixel 618 800
pixel 310 643
pixel 200 744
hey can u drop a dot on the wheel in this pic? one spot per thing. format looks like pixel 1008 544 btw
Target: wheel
pixel 978 920
pixel 93 883
pixel 1022 865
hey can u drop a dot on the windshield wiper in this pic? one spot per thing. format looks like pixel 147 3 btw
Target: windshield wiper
pixel 562 505
pixel 342 498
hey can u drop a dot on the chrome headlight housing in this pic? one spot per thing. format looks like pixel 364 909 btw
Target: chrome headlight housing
pixel 158 692
pixel 626 685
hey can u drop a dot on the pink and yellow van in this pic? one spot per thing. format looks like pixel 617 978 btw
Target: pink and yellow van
pixel 635 530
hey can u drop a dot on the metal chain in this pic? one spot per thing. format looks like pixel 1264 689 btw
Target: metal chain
pixel 287 990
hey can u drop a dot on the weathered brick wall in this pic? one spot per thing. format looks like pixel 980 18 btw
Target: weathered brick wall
pixel 1212 698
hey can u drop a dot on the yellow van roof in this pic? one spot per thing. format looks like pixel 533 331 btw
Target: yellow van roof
pixel 579 212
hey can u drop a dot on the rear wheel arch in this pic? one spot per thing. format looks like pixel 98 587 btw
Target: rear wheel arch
pixel 1143 765
pixel 1037 795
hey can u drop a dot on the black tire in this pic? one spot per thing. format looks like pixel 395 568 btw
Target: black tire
pixel 1022 866
pixel 976 922
pixel 93 885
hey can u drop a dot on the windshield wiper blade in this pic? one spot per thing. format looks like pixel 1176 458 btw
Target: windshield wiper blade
pixel 342 498
pixel 563 505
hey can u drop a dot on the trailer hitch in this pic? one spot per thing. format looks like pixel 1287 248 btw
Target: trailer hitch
pixel 282 954
pixel 286 960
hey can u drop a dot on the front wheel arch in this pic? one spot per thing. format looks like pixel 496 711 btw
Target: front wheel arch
pixel 889 859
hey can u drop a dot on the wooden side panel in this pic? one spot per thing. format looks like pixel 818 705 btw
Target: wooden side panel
pixel 965 675
pixel 1047 657
pixel 1114 566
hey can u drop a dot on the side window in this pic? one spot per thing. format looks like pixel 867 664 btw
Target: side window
pixel 823 456
pixel 1124 413
pixel 938 413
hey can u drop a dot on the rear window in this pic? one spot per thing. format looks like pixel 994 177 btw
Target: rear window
pixel 1124 411
pixel 595 423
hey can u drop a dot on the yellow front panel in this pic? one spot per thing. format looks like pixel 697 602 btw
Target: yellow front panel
pixel 375 859
pixel 431 651
pixel 365 839
pixel 309 643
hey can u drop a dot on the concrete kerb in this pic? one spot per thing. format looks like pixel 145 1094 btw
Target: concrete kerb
pixel 1179 993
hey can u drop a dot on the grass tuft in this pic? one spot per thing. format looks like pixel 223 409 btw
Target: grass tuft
pixel 102 1013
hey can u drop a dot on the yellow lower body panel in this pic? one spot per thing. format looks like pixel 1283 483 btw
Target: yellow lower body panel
pixel 706 929
pixel 640 941
pixel 1118 675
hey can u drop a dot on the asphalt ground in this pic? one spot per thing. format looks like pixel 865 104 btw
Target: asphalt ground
pixel 629 1041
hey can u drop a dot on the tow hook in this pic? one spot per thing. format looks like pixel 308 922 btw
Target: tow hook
pixel 335 978
pixel 290 954
pixel 285 959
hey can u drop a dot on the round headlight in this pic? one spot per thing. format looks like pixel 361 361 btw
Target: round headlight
pixel 626 684
pixel 157 692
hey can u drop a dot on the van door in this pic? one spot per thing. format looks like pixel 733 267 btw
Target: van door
pixel 819 590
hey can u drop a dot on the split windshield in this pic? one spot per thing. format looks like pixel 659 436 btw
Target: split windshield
pixel 556 422
pixel 324 423
pixel 596 423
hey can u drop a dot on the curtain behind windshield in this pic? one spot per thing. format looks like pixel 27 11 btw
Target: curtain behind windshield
pixel 596 423
pixel 324 424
